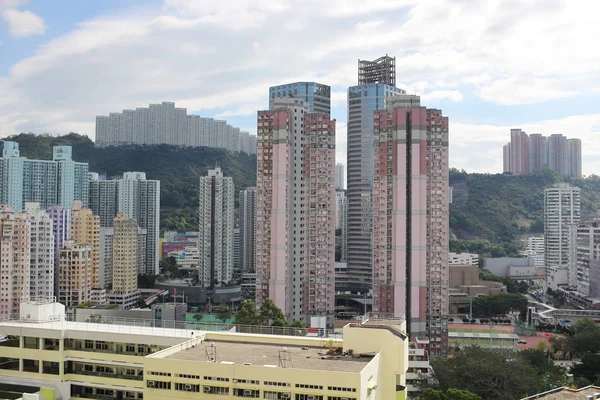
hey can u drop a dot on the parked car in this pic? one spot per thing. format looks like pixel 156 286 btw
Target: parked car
pixel 521 341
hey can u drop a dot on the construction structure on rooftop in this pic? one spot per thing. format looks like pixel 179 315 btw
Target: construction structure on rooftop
pixel 381 70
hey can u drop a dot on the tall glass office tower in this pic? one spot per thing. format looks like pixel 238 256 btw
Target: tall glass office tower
pixel 316 95
pixel 376 85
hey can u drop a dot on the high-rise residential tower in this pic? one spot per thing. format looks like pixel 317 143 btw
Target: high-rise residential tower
pixel 125 246
pixel 247 207
pixel 528 153
pixel 538 152
pixel 14 260
pixel 588 259
pixel 411 218
pixel 340 176
pixel 139 198
pixel 41 265
pixel 561 211
pixel 85 229
pixel 59 181
pixel 316 95
pixel 574 158
pixel 519 145
pixel 104 199
pixel 376 85
pixel 342 221
pixel 216 228
pixel 75 274
pixel 295 210
pixel 166 124
pixel 61 229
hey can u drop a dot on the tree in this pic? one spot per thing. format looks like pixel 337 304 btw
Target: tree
pixel 269 313
pixel 297 324
pixel 451 394
pixel 491 374
pixel 224 314
pixel 198 317
pixel 247 315
pixel 433 394
pixel 456 394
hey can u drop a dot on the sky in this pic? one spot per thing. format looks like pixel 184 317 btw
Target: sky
pixel 489 65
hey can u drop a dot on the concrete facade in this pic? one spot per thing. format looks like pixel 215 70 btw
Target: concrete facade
pixel 247 216
pixel 14 260
pixel 411 218
pixel 41 261
pixel 216 215
pixel 463 259
pixel 75 272
pixel 85 230
pixel 528 153
pixel 94 360
pixel 562 210
pixel 59 181
pixel 166 124
pixel 295 210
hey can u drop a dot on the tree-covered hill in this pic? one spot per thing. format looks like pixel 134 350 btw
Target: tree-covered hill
pixel 501 207
pixel 178 169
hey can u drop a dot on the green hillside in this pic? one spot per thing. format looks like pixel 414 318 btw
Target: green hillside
pixel 499 208
pixel 489 213
pixel 178 169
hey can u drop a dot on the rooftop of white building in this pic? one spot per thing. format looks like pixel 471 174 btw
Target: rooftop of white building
pixel 260 354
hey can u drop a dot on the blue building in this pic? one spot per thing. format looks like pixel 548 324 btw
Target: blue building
pixel 376 85
pixel 59 181
pixel 317 95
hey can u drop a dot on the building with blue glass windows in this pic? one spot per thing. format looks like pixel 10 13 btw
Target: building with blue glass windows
pixel 376 85
pixel 316 95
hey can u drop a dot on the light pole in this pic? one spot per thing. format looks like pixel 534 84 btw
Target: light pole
pixel 491 327
pixel 470 308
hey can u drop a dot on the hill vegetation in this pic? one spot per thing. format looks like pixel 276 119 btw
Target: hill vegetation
pixel 491 211
pixel 178 169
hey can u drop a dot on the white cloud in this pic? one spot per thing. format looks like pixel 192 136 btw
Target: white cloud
pixel 210 56
pixel 438 95
pixel 23 23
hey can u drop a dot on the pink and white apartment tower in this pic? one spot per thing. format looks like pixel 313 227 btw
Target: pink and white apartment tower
pixel 295 210
pixel 411 218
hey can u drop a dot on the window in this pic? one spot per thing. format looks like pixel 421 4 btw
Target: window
pixel 155 373
pixel 100 345
pixel 309 397
pixel 186 387
pixel 277 395
pixel 159 385
pixel 224 391
pixel 270 383
pixel 248 393
pixel 217 378
pixel 186 376
pixel 307 386
pixel 341 389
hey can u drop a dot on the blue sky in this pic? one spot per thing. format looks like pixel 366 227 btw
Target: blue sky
pixel 489 65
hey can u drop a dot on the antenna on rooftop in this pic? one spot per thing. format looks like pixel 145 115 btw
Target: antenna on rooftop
pixel 285 359
pixel 211 352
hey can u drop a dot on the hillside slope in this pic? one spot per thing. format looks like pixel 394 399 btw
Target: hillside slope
pixel 178 169
pixel 499 207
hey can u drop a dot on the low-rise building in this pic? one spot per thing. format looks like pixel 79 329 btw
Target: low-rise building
pixel 463 259
pixel 465 284
pixel 517 268
pixel 98 360
pixel 186 258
